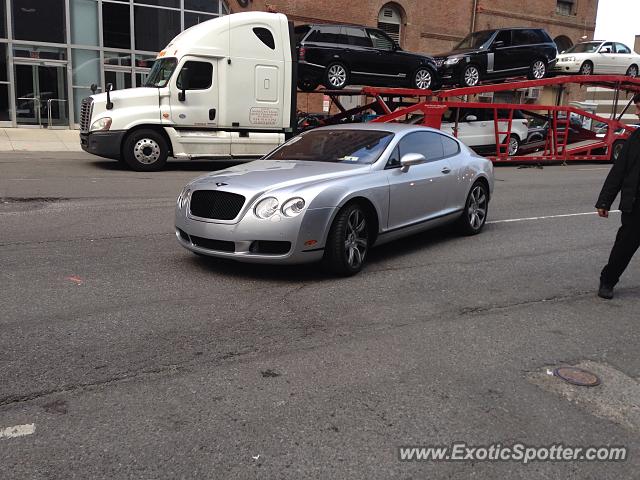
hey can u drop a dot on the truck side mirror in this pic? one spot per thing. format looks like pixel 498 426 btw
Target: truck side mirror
pixel 183 79
pixel 109 102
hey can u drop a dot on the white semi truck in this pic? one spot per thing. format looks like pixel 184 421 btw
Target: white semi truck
pixel 222 89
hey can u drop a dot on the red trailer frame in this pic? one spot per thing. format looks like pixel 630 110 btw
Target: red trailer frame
pixel 392 104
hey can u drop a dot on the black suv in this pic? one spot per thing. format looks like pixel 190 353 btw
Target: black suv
pixel 498 54
pixel 339 55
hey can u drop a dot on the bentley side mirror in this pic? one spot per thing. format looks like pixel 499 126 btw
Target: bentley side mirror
pixel 498 44
pixel 409 159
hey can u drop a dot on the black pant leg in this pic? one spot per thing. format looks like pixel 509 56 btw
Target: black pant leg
pixel 626 244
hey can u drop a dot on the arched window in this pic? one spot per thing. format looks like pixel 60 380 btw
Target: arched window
pixel 390 21
pixel 563 42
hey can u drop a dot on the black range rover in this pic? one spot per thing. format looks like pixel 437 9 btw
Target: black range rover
pixel 339 55
pixel 498 54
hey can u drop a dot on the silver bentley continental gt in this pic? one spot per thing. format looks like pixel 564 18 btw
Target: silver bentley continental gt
pixel 332 193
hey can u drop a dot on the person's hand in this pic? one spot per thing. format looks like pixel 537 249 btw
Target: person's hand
pixel 603 213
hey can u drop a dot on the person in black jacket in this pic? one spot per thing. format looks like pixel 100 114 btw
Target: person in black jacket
pixel 624 177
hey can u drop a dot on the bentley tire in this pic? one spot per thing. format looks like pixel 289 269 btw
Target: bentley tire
pixel 475 211
pixel 348 241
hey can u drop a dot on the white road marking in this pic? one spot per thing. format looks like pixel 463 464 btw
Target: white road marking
pixel 595 168
pixel 529 219
pixel 18 431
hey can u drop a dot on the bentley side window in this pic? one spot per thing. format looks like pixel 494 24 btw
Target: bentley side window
pixel 425 143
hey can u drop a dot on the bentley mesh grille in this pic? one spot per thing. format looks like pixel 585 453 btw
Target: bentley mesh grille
pixel 216 205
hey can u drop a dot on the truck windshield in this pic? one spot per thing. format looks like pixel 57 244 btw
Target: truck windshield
pixel 336 146
pixel 161 72
pixel 475 40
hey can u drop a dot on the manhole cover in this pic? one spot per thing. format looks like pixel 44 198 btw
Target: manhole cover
pixel 577 376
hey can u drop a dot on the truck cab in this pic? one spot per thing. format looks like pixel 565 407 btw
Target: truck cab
pixel 222 89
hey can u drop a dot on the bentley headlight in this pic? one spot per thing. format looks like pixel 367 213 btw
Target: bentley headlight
pixel 452 61
pixel 184 197
pixel 266 207
pixel 292 207
pixel 570 59
pixel 102 124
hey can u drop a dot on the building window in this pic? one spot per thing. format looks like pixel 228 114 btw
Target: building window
pixel 565 7
pixel 195 18
pixel 390 21
pixel 155 27
pixel 3 20
pixel 39 20
pixel 84 22
pixel 210 6
pixel 115 25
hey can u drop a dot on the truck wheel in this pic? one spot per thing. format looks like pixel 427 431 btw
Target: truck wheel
pixel 145 151
pixel 336 77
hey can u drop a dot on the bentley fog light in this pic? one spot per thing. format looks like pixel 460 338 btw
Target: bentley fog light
pixel 292 207
pixel 266 208
pixel 102 124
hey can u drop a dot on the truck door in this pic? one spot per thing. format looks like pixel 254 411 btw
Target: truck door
pixel 195 105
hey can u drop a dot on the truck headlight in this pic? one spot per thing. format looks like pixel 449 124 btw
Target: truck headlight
pixel 102 124
pixel 452 61
pixel 292 207
pixel 266 208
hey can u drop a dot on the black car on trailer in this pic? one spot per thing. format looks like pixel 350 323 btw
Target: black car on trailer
pixel 338 55
pixel 498 54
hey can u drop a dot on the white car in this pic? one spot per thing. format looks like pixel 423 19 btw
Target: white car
pixel 598 57
pixel 476 129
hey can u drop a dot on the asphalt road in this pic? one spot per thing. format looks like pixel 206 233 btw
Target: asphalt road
pixel 129 357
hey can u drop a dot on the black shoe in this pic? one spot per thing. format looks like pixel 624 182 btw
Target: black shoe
pixel 605 291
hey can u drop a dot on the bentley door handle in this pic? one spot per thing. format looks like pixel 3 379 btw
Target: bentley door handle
pixel 446 170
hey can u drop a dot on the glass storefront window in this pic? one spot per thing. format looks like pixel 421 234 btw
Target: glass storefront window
pixel 39 20
pixel 3 20
pixel 86 67
pixel 117 58
pixel 155 27
pixel 145 61
pixel 38 52
pixel 211 6
pixel 5 114
pixel 119 79
pixel 3 63
pixel 192 18
pixel 84 22
pixel 115 25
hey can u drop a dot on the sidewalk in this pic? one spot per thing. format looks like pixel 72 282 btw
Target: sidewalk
pixel 39 140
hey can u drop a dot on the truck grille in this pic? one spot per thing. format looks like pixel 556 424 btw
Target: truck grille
pixel 85 113
pixel 216 205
